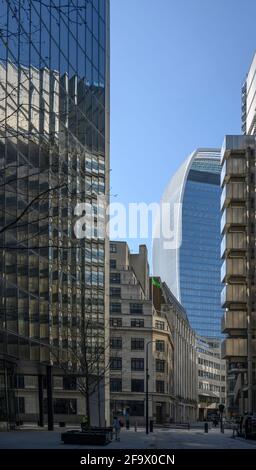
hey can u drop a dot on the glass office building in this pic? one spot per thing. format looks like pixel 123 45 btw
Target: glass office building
pixel 54 154
pixel 191 267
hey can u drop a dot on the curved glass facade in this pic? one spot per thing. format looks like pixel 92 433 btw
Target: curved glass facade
pixel 192 268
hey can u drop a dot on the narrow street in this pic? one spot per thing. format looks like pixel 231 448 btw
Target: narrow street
pixel 160 439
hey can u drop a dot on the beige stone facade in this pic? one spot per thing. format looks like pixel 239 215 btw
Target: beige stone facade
pixel 137 331
pixel 185 358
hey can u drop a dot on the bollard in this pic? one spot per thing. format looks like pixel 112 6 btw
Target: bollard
pixel 151 425
pixel 205 427
pixel 135 427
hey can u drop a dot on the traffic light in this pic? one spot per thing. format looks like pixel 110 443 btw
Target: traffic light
pixel 221 408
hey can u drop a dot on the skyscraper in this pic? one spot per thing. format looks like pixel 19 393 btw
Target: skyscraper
pixel 191 266
pixel 54 154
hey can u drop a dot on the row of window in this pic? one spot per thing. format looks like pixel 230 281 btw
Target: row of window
pixel 133 407
pixel 135 308
pixel 208 400
pixel 210 375
pixel 137 385
pixel 205 362
pixel 211 387
pixel 63 406
pixel 137 364
pixel 68 382
pixel 136 344
pixel 135 323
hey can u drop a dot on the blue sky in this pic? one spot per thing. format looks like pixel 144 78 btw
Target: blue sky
pixel 177 67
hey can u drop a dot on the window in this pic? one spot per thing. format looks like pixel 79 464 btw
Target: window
pixel 137 344
pixel 20 382
pixel 112 248
pixel 159 325
pixel 115 385
pixel 115 322
pixel 136 308
pixel 69 383
pixel 137 323
pixel 20 405
pixel 115 278
pixel 159 386
pixel 137 364
pixel 115 307
pixel 137 385
pixel 116 343
pixel 113 264
pixel 116 363
pixel 160 365
pixel 136 408
pixel 115 292
pixel 160 345
pixel 63 406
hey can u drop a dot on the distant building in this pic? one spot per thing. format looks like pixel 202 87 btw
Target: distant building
pixel 211 377
pixel 138 331
pixel 191 266
pixel 238 271
pixel 249 100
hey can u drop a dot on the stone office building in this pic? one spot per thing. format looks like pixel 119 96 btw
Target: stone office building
pixel 138 333
pixel 185 374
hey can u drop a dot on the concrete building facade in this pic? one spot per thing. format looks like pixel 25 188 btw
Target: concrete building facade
pixel 211 377
pixel 238 271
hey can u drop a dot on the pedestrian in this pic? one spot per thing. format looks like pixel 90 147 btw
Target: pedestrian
pixel 241 426
pixel 116 426
pixel 235 430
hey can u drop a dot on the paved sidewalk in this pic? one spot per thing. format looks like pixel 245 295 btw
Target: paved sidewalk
pixel 160 439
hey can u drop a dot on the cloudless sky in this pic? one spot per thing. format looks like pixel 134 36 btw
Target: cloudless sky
pixel 177 67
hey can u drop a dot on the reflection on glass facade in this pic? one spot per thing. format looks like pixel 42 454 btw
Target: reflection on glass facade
pixel 192 270
pixel 54 98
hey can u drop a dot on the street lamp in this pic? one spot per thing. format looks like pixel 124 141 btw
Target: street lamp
pixel 147 379
pixel 221 410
